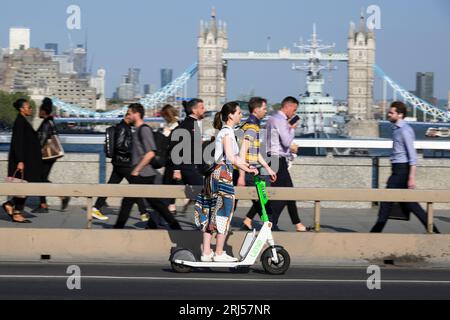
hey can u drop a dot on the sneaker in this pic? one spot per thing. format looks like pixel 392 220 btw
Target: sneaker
pixel 208 258
pixel 145 217
pixel 224 258
pixel 98 215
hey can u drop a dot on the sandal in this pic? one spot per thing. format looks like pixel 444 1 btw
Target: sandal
pixel 245 227
pixel 8 208
pixel 18 214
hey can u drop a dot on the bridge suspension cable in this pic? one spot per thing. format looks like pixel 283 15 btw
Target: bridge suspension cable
pixel 410 98
pixel 149 101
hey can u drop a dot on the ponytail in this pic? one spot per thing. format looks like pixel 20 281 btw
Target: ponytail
pixel 218 121
pixel 222 116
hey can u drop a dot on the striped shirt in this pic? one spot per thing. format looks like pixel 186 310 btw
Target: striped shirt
pixel 251 133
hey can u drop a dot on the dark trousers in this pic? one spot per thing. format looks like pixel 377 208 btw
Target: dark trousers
pixel 158 204
pixel 283 180
pixel 399 180
pixel 47 166
pixel 18 203
pixel 169 180
pixel 117 176
pixel 191 176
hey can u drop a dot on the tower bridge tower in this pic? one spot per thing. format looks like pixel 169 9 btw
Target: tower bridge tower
pixel 212 42
pixel 361 59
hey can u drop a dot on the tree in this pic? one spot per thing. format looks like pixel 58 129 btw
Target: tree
pixel 7 112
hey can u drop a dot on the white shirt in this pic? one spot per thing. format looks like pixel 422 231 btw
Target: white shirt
pixel 219 153
pixel 168 128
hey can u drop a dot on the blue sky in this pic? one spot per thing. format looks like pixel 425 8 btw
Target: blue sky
pixel 154 34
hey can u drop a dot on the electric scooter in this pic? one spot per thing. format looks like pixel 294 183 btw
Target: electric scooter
pixel 274 258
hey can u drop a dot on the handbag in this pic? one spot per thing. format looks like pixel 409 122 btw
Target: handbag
pixel 53 148
pixel 207 169
pixel 400 212
pixel 13 179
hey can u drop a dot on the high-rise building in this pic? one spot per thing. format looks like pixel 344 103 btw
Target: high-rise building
pixel 146 89
pixel 125 92
pixel 425 86
pixel 130 89
pixel 80 60
pixel 65 63
pixel 149 89
pixel 52 46
pixel 65 59
pixel 73 90
pixel 133 78
pixel 34 72
pixel 166 77
pixel 98 82
pixel 19 39
pixel 448 103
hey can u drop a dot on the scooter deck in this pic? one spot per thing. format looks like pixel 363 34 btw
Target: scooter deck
pixel 198 264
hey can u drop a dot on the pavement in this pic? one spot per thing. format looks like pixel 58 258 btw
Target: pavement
pixel 122 282
pixel 333 220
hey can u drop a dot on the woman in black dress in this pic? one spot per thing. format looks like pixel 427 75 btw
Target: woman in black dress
pixel 24 158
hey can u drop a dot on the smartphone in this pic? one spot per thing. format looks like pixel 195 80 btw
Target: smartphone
pixel 294 120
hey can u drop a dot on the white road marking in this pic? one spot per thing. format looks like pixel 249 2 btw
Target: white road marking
pixel 224 279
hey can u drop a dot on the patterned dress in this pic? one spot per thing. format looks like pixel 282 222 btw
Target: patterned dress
pixel 214 207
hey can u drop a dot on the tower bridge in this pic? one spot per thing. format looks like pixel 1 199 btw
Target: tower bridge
pixel 214 59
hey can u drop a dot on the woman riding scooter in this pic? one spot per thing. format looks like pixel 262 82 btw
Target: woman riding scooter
pixel 215 205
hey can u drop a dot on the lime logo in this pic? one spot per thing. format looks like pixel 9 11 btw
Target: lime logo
pixel 257 248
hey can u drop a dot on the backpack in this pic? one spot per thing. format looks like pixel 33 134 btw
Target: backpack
pixel 162 148
pixel 110 138
pixel 207 167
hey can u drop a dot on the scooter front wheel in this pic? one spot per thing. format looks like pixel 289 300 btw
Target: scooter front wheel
pixel 284 261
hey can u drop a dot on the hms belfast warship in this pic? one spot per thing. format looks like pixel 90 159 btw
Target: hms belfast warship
pixel 319 116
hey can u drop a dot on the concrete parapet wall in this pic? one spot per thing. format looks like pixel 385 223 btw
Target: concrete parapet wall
pixel 130 246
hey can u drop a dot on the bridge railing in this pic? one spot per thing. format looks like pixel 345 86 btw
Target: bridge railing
pixel 302 143
pixel 90 191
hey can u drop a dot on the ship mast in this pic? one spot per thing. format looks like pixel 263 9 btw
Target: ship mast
pixel 313 67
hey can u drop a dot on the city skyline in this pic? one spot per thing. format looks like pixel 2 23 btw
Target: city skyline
pixel 112 49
